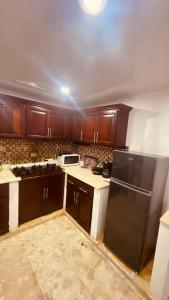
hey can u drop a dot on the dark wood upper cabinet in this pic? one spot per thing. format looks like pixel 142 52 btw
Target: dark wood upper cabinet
pixel 12 121
pixel 4 208
pixel 37 122
pixel 77 128
pixel 44 123
pixel 106 125
pixel 106 133
pixel 90 127
pixel 60 125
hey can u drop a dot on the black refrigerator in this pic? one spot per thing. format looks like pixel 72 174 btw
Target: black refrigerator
pixel 134 206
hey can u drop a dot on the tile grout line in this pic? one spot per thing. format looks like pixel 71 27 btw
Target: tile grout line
pixel 41 220
pixel 140 290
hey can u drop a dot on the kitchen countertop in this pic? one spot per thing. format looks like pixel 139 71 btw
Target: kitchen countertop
pixel 85 175
pixel 6 176
pixel 165 219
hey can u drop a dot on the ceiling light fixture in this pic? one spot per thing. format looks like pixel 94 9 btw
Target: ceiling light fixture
pixel 93 7
pixel 65 90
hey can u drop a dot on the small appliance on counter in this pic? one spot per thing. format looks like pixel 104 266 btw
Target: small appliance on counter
pixel 66 160
pixel 97 170
pixel 107 167
pixel 90 162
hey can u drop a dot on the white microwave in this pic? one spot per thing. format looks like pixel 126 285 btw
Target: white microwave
pixel 69 160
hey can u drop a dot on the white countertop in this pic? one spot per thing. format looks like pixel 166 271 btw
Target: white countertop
pixel 6 176
pixel 85 175
pixel 165 219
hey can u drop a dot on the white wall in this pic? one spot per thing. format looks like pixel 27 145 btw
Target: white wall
pixel 148 129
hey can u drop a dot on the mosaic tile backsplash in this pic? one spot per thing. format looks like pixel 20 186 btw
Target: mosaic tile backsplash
pixel 20 151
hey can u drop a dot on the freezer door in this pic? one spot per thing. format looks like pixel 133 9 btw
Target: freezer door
pixel 134 169
pixel 126 220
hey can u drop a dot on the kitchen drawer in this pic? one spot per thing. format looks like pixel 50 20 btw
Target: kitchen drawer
pixel 81 186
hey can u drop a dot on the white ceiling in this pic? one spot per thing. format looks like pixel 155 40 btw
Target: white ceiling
pixel 122 52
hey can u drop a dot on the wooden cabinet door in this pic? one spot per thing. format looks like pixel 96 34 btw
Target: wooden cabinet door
pixel 84 210
pixel 59 126
pixel 79 201
pixel 90 126
pixel 53 189
pixel 107 128
pixel 77 127
pixel 30 199
pixel 37 122
pixel 71 206
pixel 11 121
pixel 4 208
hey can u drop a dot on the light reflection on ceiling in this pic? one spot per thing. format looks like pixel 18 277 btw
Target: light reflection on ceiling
pixel 121 52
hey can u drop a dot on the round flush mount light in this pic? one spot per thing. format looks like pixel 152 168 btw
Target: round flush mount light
pixel 65 90
pixel 92 7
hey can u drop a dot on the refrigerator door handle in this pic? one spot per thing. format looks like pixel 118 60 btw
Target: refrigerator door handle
pixel 147 193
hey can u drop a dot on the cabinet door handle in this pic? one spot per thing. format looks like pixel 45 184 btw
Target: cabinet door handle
pixel 48 132
pixel 44 193
pixel 97 137
pixel 71 182
pixel 84 191
pixel 74 197
pixel 77 195
pixel 81 135
pixel 47 191
pixel 94 137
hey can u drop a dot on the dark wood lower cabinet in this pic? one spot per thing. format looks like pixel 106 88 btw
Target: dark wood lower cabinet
pixel 30 199
pixel 84 211
pixel 4 208
pixel 79 201
pixel 40 195
pixel 71 206
pixel 54 188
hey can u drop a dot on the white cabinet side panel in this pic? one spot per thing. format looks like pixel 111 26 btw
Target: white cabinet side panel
pixel 13 205
pixel 99 212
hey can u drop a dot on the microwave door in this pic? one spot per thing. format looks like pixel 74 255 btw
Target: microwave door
pixel 71 160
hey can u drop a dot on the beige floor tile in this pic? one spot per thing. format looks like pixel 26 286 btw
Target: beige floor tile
pixel 57 260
